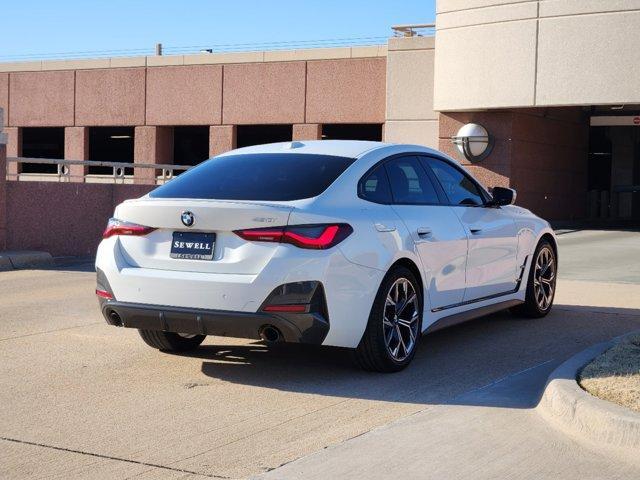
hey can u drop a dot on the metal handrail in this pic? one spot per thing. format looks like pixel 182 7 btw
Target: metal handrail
pixel 118 174
pixel 94 163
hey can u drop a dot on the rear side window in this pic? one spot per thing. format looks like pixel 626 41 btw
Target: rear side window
pixel 260 176
pixel 375 186
pixel 410 183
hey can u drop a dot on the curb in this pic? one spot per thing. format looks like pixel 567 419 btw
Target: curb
pixel 585 417
pixel 16 260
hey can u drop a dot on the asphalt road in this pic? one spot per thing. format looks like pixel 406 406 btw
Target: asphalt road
pixel 80 399
pixel 600 255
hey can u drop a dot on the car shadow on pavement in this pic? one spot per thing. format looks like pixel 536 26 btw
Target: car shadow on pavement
pixel 455 365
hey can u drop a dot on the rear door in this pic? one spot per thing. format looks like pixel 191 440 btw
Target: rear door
pixel 492 259
pixel 439 238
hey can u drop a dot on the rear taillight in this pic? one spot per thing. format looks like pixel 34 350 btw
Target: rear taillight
pixel 286 308
pixel 317 237
pixel 104 294
pixel 120 227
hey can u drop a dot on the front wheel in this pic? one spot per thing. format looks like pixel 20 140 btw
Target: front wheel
pixel 390 340
pixel 171 342
pixel 541 284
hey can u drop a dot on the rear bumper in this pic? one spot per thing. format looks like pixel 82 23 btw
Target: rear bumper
pixel 294 327
pixel 349 288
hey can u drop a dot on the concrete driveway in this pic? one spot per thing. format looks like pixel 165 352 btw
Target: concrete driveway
pixel 80 399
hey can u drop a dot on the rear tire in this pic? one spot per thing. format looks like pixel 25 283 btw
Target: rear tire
pixel 171 342
pixel 541 283
pixel 395 324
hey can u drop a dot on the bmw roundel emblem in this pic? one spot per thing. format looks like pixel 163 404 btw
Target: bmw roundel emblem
pixel 187 218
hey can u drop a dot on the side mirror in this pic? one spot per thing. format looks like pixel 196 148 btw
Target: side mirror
pixel 503 196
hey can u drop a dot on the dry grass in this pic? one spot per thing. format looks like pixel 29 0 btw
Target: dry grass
pixel 615 375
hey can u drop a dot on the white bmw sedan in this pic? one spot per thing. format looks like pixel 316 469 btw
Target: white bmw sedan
pixel 353 244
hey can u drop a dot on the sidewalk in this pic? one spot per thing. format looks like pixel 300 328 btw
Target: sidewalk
pixel 490 432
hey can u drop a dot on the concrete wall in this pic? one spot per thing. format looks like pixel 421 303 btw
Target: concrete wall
pixel 495 170
pixel 305 88
pixel 61 218
pixel 346 91
pixel 550 160
pixel 500 53
pixel 262 93
pixel 409 100
pixel 332 85
pixel 107 97
pixel 190 95
pixel 302 88
pixel 41 99
pixel 542 153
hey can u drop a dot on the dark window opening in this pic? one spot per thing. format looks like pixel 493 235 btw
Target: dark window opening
pixel 190 145
pixel 110 144
pixel 248 135
pixel 258 176
pixel 352 131
pixel 600 159
pixel 42 142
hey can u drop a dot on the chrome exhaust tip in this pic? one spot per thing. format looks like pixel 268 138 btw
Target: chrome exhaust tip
pixel 115 319
pixel 270 334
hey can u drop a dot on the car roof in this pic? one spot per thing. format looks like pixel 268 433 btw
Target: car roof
pixel 342 148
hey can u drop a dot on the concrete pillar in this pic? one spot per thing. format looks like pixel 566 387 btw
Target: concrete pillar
pixel 222 138
pixel 14 149
pixel 76 147
pixel 3 184
pixel 3 193
pixel 307 131
pixel 151 145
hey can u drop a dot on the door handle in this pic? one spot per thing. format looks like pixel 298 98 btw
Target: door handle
pixel 475 230
pixel 383 228
pixel 424 231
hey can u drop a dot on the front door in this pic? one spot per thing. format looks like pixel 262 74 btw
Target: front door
pixel 439 237
pixel 492 253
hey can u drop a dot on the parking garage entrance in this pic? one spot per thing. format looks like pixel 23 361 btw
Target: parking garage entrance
pixel 614 168
pixel 111 144
pixel 42 142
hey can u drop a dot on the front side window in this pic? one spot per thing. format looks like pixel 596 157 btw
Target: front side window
pixel 257 176
pixel 458 187
pixel 410 183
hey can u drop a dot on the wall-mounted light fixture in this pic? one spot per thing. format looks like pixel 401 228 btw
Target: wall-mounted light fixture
pixel 474 142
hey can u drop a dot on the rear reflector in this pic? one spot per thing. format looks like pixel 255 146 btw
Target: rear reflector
pixel 120 227
pixel 286 308
pixel 317 237
pixel 104 294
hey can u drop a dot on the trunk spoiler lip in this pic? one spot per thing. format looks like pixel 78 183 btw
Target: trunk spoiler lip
pixel 261 203
pixel 285 208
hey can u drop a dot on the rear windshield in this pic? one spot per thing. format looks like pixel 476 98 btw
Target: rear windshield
pixel 259 176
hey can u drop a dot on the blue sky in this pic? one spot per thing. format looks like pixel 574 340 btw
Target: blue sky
pixel 41 28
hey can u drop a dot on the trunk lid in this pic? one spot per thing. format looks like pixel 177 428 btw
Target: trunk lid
pixel 231 254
